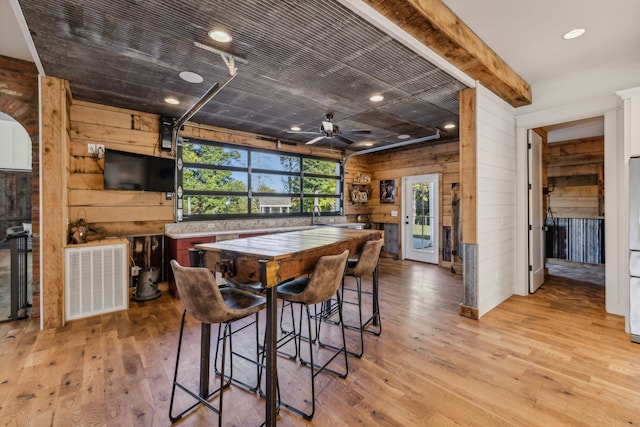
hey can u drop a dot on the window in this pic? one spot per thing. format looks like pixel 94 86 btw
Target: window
pixel 217 180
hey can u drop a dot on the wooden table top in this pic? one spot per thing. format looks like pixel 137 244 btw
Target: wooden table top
pixel 283 245
pixel 288 255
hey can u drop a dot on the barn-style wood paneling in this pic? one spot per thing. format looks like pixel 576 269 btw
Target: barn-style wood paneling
pixel 113 213
pixel 576 178
pixel 442 158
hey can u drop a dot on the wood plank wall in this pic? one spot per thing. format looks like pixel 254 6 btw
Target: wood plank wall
pixel 576 178
pixel 441 158
pixel 127 213
pixel 130 213
pixel 118 213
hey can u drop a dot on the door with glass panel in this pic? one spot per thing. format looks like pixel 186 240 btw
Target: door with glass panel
pixel 420 217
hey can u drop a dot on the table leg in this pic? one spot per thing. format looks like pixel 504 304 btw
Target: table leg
pixel 270 348
pixel 376 308
pixel 205 353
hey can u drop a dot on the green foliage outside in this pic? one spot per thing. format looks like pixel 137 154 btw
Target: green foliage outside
pixel 422 209
pixel 235 182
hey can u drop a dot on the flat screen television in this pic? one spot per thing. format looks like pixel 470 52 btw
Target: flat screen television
pixel 137 172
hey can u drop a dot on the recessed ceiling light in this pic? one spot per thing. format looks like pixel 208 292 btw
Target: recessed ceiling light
pixel 368 144
pixel 171 100
pixel 449 126
pixel 574 33
pixel 295 128
pixel 404 136
pixel 220 36
pixel 376 98
pixel 191 77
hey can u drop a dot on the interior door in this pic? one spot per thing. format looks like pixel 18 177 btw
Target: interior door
pixel 536 229
pixel 420 212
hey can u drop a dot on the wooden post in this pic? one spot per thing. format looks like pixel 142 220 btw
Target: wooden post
pixel 468 199
pixel 468 166
pixel 55 95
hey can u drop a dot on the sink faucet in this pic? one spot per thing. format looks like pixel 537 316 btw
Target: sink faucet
pixel 316 208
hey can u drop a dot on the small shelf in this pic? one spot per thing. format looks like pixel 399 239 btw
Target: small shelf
pixel 360 192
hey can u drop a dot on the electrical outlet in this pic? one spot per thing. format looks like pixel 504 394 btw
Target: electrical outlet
pixel 91 148
pixel 100 150
pixel 135 270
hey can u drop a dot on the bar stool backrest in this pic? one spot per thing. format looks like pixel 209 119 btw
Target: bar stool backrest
pixel 325 279
pixel 368 258
pixel 200 294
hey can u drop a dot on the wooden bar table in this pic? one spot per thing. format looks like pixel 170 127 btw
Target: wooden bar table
pixel 271 259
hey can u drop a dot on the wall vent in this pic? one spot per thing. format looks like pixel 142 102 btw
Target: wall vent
pixel 96 280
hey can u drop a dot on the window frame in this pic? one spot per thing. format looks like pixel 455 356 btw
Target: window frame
pixel 251 195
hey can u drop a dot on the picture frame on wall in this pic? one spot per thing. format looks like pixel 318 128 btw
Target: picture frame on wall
pixel 387 191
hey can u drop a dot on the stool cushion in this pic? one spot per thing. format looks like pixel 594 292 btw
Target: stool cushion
pixel 292 290
pixel 249 286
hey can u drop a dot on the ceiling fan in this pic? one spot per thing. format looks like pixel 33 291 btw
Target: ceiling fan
pixel 328 129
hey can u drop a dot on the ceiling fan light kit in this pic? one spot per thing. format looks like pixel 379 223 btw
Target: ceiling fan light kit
pixel 330 130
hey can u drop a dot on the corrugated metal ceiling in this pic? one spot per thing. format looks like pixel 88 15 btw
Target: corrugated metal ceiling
pixel 304 59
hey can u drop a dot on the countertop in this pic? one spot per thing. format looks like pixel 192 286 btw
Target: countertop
pixel 211 233
pixel 214 233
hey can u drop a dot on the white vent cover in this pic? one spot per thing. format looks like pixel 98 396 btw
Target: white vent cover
pixel 95 280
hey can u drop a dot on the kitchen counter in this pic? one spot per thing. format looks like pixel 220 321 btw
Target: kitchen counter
pixel 234 233
pixel 227 233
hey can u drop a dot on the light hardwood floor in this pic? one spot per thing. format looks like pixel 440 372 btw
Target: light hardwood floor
pixel 553 358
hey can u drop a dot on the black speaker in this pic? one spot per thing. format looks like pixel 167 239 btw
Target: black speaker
pixel 166 126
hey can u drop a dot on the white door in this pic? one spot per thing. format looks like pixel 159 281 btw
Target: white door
pixel 536 230
pixel 420 213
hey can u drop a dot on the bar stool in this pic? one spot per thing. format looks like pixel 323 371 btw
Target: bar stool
pixel 366 263
pixel 208 304
pixel 319 287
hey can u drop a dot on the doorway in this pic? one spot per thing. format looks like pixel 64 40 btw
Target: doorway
pixel 15 222
pixel 421 195
pixel 571 192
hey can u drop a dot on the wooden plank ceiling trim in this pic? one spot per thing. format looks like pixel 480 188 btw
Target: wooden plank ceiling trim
pixel 432 23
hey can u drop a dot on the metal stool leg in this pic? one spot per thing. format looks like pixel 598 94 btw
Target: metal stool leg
pixel 200 400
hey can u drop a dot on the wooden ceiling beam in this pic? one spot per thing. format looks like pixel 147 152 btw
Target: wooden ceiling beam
pixel 432 23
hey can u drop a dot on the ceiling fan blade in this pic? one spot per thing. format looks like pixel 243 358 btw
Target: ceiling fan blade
pixel 356 132
pixel 343 139
pixel 300 132
pixel 314 140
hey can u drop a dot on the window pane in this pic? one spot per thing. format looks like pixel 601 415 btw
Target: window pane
pixel 274 183
pixel 214 205
pixel 320 186
pixel 214 180
pixel 209 155
pixel 275 162
pixel 321 167
pixel 326 204
pixel 260 182
pixel 275 205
